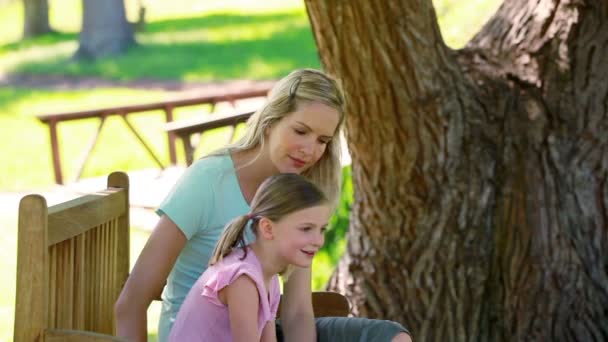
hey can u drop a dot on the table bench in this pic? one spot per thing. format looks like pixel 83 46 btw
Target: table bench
pixel 185 129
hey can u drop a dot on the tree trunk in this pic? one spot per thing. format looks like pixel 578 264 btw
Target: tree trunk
pixel 36 18
pixel 480 175
pixel 105 30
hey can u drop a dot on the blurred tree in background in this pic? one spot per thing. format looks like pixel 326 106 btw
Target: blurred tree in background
pixel 36 18
pixel 105 29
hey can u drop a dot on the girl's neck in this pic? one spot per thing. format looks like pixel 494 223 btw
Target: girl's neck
pixel 252 168
pixel 271 265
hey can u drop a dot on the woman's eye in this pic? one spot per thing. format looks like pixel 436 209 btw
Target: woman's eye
pixel 299 131
pixel 324 141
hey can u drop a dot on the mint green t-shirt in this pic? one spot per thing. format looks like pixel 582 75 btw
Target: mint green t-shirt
pixel 201 203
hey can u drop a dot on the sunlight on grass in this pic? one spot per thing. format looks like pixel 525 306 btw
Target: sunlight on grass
pixel 65 15
pixel 209 47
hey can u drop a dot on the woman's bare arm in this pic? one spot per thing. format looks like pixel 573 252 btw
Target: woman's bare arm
pixel 297 316
pixel 147 279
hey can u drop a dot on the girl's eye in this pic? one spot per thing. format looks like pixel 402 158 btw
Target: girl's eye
pixel 324 141
pixel 323 230
pixel 305 229
pixel 299 131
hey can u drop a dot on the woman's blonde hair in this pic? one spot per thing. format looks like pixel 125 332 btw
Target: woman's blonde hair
pixel 300 86
pixel 277 197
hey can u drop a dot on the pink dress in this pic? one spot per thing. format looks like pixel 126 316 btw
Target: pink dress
pixel 203 317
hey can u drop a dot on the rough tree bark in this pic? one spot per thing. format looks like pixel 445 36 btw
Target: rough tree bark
pixel 36 18
pixel 105 29
pixel 480 175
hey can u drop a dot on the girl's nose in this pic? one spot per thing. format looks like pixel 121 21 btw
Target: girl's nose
pixel 319 240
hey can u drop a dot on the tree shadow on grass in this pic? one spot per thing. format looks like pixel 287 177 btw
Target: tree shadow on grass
pixel 287 45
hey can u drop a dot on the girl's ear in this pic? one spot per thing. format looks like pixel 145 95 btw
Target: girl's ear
pixel 266 228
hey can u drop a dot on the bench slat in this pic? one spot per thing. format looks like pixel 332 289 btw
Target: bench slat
pixel 199 125
pixel 77 216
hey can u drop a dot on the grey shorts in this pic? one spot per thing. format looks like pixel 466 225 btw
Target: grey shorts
pixel 352 329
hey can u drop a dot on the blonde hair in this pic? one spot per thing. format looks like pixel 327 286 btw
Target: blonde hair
pixel 300 86
pixel 277 197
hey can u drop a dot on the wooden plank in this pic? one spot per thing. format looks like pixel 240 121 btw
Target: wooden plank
pixel 66 335
pixel 72 218
pixel 328 304
pixel 80 282
pixel 125 110
pixel 32 270
pixel 197 125
pixel 121 180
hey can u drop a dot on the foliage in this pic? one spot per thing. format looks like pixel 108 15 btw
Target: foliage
pixel 335 242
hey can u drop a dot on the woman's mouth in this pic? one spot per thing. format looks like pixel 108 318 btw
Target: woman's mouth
pixel 299 163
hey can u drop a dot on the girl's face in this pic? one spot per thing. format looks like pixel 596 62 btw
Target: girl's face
pixel 300 234
pixel 297 142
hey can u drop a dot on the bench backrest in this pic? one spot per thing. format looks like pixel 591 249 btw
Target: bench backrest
pixel 72 261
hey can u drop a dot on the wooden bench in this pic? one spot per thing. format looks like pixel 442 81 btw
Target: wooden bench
pixel 328 304
pixel 52 121
pixel 72 260
pixel 185 129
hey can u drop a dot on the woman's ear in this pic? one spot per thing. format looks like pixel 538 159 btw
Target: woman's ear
pixel 266 227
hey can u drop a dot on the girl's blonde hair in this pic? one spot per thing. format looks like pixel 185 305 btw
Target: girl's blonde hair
pixel 277 197
pixel 300 86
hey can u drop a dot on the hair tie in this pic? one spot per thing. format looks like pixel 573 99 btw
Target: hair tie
pixel 249 216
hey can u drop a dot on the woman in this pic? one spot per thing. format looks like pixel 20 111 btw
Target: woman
pixel 296 131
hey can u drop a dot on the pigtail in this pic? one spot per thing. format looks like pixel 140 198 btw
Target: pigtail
pixel 232 236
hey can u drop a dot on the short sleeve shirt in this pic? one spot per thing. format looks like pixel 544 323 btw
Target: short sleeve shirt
pixel 203 317
pixel 201 203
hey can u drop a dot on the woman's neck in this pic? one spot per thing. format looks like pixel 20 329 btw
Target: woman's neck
pixel 271 264
pixel 252 168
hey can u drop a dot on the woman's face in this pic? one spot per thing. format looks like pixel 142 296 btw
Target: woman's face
pixel 297 142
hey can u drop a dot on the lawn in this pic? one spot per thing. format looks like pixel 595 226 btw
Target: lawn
pixel 184 40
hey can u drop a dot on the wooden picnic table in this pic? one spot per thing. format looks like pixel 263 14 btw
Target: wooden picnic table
pixel 52 120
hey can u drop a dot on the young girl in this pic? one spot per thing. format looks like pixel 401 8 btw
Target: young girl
pixel 295 131
pixel 237 297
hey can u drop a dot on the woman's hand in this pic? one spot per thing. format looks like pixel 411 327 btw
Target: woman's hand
pixel 297 316
pixel 146 281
